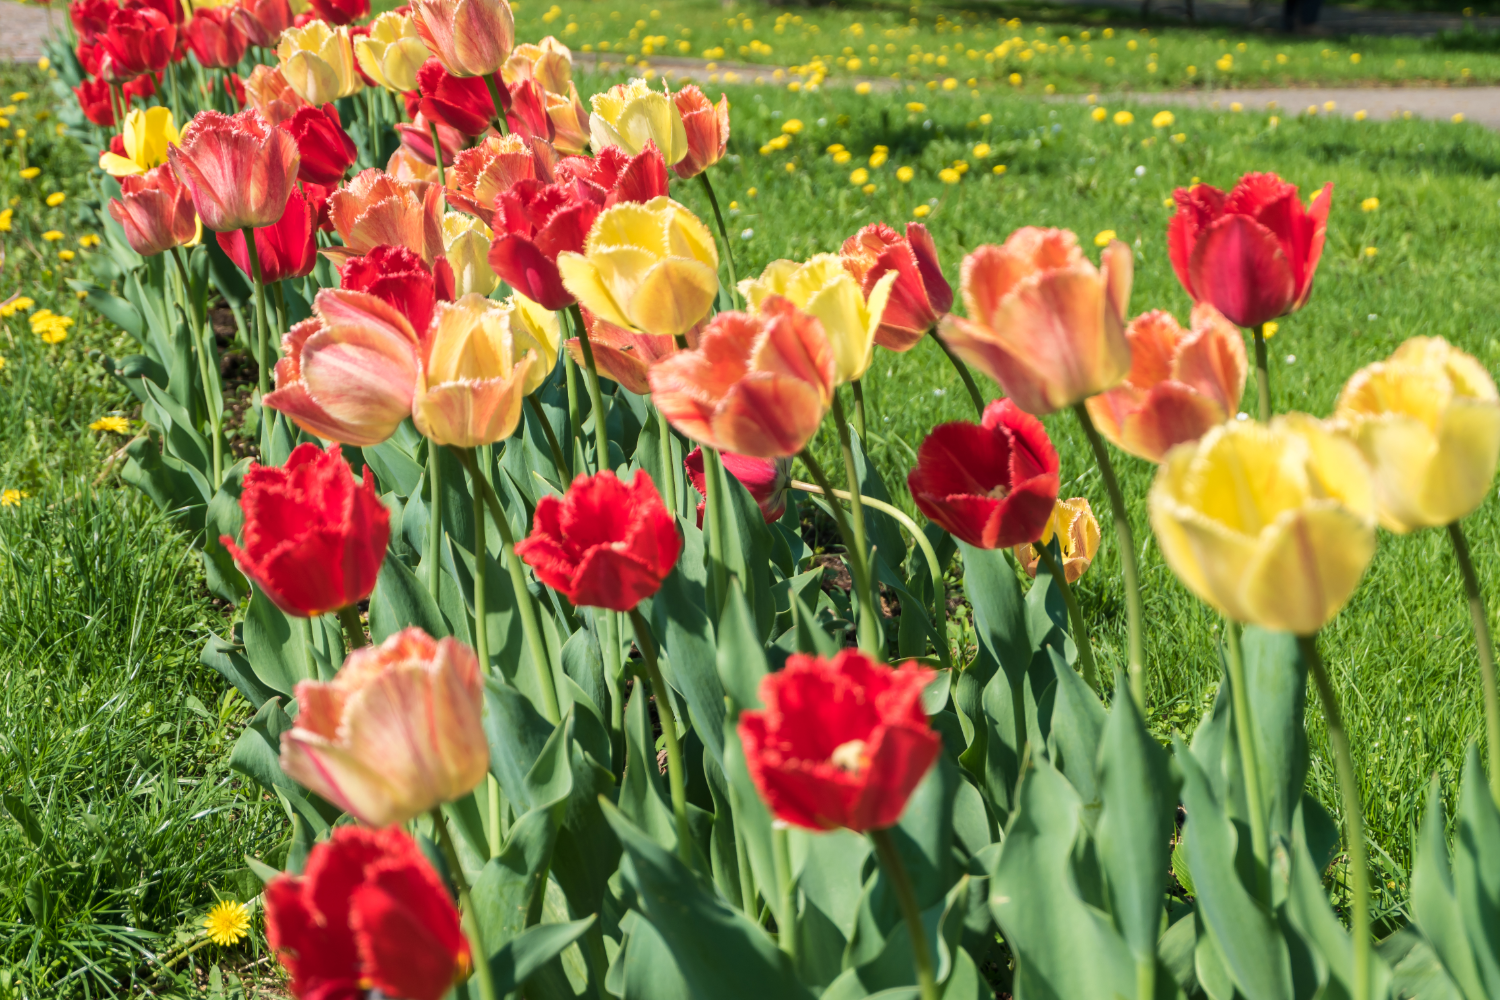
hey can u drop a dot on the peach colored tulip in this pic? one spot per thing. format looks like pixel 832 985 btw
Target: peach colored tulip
pixel 347 374
pixel 548 62
pixel 375 209
pixel 1078 537
pixel 756 384
pixel 239 168
pixel 270 94
pixel 1181 382
pixel 623 356
pixel 707 127
pixel 478 363
pixel 155 211
pixel 404 165
pixel 396 732
pixel 482 172
pixel 570 122
pixel 470 37
pixel 1042 320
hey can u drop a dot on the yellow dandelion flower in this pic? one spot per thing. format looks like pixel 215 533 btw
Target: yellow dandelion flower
pixel 915 107
pixel 227 923
pixel 44 64
pixel 751 193
pixel 981 150
pixel 1269 330
pixel 794 86
pixel 30 172
pixel 1099 114
pixel 859 177
pixel 12 498
pixel 1361 115
pixel 999 169
pixel 1458 119
pixel 868 189
pixel 878 158
pixel 1167 203
pixel 1104 237
pixel 56 198
pixel 88 240
pixel 1370 251
pixel 1163 119
pixel 52 235
pixel 1179 138
pixel 5 217
pixel 20 95
pixel 1124 118
pixel 921 211
pixel 842 157
pixel 862 88
pixel 949 176
pixel 905 174
pixel 791 126
pixel 114 425
pixel 65 255
pixel 791 168
pixel 3 363
pixel 1015 79
pixel 1369 204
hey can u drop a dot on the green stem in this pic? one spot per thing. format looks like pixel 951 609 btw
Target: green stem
pixel 1354 823
pixel 499 120
pixel 530 627
pixel 675 777
pixel 206 369
pixel 1244 726
pixel 279 301
pixel 575 410
pixel 596 396
pixel 668 467
pixel 890 862
pixel 552 443
pixel 786 919
pixel 963 373
pixel 172 81
pixel 354 629
pixel 481 630
pixel 437 154
pixel 713 523
pixel 1486 651
pixel 871 637
pixel 1126 540
pixel 1262 374
pixel 856 557
pixel 742 855
pixel 466 908
pixel 1075 615
pixel 859 409
pixel 261 358
pixel 713 201
pixel 496 802
pixel 434 563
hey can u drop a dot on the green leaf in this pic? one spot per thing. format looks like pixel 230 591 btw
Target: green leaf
pixel 881 530
pixel 740 657
pixel 508 893
pixel 643 799
pixel 274 644
pixel 400 600
pixel 747 541
pixel 999 613
pixel 524 956
pixel 166 481
pixel 691 661
pixel 1476 870
pixel 1077 729
pixel 517 732
pixel 1434 904
pixel 224 518
pixel 397 469
pixel 21 812
pixel 1276 679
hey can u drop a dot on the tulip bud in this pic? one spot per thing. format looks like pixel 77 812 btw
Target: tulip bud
pixel 706 127
pixel 325 149
pixel 318 62
pixel 478 364
pixel 1077 532
pixel 821 287
pixel 767 480
pixel 631 114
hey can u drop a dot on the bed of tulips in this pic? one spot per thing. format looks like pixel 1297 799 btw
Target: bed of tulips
pixel 548 676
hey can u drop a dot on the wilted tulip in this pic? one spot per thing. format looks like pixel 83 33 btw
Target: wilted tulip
pixel 615 176
pixel 349 373
pixel 1428 422
pixel 603 544
pixel 842 742
pixel 756 384
pixel 471 37
pixel 468 251
pixel 629 115
pixel 239 169
pixel 392 52
pixel 263 21
pixel 402 280
pixel 920 296
pixel 767 480
pixel 478 364
pixel 339 11
pixel 272 96
pixel 146 135
pixel 1043 321
pixel 1181 382
pixel 706 126
pixel 156 212
pixel 822 288
pixel 374 209
pixel 484 171
pixel 1077 532
pixel 1271 525
pixel 623 356
pixel 317 61
pixel 215 38
pixel 287 249
pixel 1252 252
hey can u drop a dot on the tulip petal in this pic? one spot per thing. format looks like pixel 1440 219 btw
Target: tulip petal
pixel 1211 358
pixel 767 416
pixel 581 278
pixel 1306 567
pixel 1238 265
pixel 1170 414
pixel 405 927
pixel 472 412
pixel 673 296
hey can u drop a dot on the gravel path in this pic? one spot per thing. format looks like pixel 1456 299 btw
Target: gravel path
pixel 1479 105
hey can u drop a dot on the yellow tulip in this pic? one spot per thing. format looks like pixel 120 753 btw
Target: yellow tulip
pixel 541 325
pixel 478 363
pixel 649 268
pixel 317 61
pixel 629 115
pixel 1077 536
pixel 147 134
pixel 466 241
pixel 823 288
pixel 392 52
pixel 1270 524
pixel 1428 422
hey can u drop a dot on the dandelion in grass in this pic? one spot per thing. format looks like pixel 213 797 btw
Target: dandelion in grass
pixel 30 172
pixel 15 304
pixel 228 922
pixel 1105 237
pixel 1369 204
pixel 111 425
pixel 905 174
pixel 5 217
pixel 65 255
pixel 12 498
pixel 52 235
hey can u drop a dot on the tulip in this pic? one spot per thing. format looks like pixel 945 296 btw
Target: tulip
pixel 526 113
pixel 349 373
pixel 1043 322
pixel 402 280
pixel 706 128
pixel 1251 253
pixel 629 115
pixel 650 268
pixel 822 288
pixel 841 742
pixel 272 96
pixel 461 102
pixel 1077 532
pixel 263 21
pixel 549 63
pixel 392 52
pixel 416 139
pixel 1270 524
pixel 471 37
pixel 170 9
pixel 146 136
pixel 921 295
pixel 603 544
pixel 138 40
pixel 239 169
pixel 1428 422
pixel 374 209
pixel 992 484
pixel 622 356
pixel 756 384
pixel 96 102
pixel 615 176
pixel 483 172
pixel 325 149
pixel 1181 383
pixel 478 363
pixel 340 11
pixel 235 88
pixel 406 165
pixel 317 61
pixel 215 38
pixel 467 246
pixel 287 249
pixel 767 480
pixel 534 225
pixel 90 17
pixel 155 211
pixel 570 122
pixel 313 538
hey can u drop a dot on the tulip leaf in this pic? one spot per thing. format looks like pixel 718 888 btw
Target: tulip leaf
pixel 1276 679
pixel 644 968
pixel 398 471
pixel 1077 724
pixel 642 798
pixel 749 539
pixel 740 657
pixel 527 953
pixel 1004 721
pixel 999 613
pixel 881 530
pixel 223 517
pixel 587 852
pixel 752 819
pixel 508 893
pixel 117 310
pixel 166 480
pixel 517 732
pixel 690 664
pixel 274 645
pixel 400 600
pixel 232 663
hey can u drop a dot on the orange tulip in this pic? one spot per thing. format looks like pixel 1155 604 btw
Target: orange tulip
pixel 1043 321
pixel 239 168
pixel 482 172
pixel 570 122
pixel 707 127
pixel 375 209
pixel 270 94
pixel 1181 382
pixel 623 356
pixel 469 37
pixel 756 384
pixel 1078 538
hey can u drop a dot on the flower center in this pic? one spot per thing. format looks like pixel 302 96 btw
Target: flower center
pixel 850 756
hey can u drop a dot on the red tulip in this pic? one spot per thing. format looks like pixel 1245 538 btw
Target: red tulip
pixel 481 173
pixel 416 136
pixel 536 222
pixel 340 11
pixel 707 127
pixel 171 9
pixel 842 742
pixel 139 40
pixel 604 544
pixel 314 539
pixel 622 355
pixel 615 176
pixel 766 479
pixel 369 913
pixel 90 18
pixel 991 484
pixel 325 149
pixel 215 38
pixel 920 296
pixel 95 99
pixel 141 87
pixel 1250 253
pixel 287 249
pixel 272 96
pixel 263 21
pixel 526 111
pixel 375 209
pixel 240 169
pixel 155 210
pixel 235 88
pixel 399 277
pixel 462 102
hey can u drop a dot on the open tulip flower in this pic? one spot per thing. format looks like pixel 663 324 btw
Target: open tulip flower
pixel 548 62
pixel 392 52
pixel 920 295
pixel 138 40
pixel 706 126
pixel 339 12
pixel 467 244
pixel 841 742
pixel 822 288
pixel 766 479
pixel 1251 252
pixel 603 544
pixel 326 152
pixel 471 37
pixel 650 268
pixel 262 21
pixel 270 94
pixel 1042 320
pixel 146 136
pixel 215 38
pixel 239 168
pixel 1271 525
pixel 1428 422
pixel 156 212
pixel 493 166
pixel 314 539
pixel 288 249
pixel 757 384
pixel 368 913
pixel 623 356
pixel 1181 382
pixel 614 176
pixel 460 102
pixel 396 732
pixel 375 209
pixel 402 280
pixel 1077 532
pixel 317 61
pixel 992 484
pixel 629 115
pixel 534 224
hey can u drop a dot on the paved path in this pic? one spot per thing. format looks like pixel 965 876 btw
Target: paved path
pixel 1480 105
pixel 22 28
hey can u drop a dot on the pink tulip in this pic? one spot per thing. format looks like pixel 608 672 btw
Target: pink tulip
pixel 239 168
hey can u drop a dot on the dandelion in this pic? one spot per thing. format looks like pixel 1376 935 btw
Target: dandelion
pixel 1124 118
pixel 20 303
pixel 1163 119
pixel 112 425
pixel 1236 107
pixel 915 107
pixel 862 88
pixel 1369 204
pixel 88 240
pixel 986 118
pixel 794 86
pixel 878 158
pixel 905 174
pixel 1099 114
pixel 791 126
pixel 999 169
pixel 55 198
pixel 1269 330
pixel 1179 138
pixel 950 84
pixel 981 150
pixel 1282 59
pixel 5 217
pixel 1167 203
pixel 751 193
pixel 1273 121
pixel 1361 115
pixel 921 211
pixel 1329 105
pixel 20 95
pixel 65 255
pixel 44 64
pixel 859 177
pixel 1370 251
pixel 868 189
pixel 949 176
pixel 12 498
pixel 1104 237
pixel 1458 119
pixel 227 923
pixel 1354 58
pixel 2 364
pixel 842 157
pixel 29 173
pixel 1015 79
pixel 52 235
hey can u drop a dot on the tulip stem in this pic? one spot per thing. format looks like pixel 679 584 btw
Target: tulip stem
pixel 668 466
pixel 437 154
pixel 466 907
pixel 575 413
pixel 934 567
pixel 713 513
pixel 433 563
pixel 1262 374
pixel 596 397
pixel 499 120
pixel 205 370
pixel 1244 731
pixel 786 886
pixel 857 568
pixel 1075 615
pixel 172 81
pixel 872 640
pixel 713 202
pixel 1486 652
pixel 552 443
pixel 859 409
pixel 1354 824
pixel 529 625
pixel 668 722
pixel 262 375
pixel 354 629
pixel 890 863
pixel 481 629
pixel 963 373
pixel 1126 540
